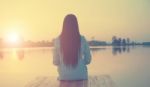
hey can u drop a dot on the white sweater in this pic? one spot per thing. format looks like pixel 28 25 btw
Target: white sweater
pixel 72 73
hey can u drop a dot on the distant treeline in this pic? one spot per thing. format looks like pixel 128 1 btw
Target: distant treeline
pixel 28 44
pixel 116 41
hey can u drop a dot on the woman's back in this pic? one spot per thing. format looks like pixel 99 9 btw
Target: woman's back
pixel 79 72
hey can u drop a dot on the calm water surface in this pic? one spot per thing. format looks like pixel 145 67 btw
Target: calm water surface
pixel 127 66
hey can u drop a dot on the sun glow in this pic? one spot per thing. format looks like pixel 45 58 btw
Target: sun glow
pixel 12 37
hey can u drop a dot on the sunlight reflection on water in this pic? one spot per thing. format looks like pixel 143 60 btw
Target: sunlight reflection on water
pixel 127 67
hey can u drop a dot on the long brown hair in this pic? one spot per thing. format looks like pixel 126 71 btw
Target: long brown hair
pixel 70 40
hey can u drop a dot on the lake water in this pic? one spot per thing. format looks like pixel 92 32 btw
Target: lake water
pixel 127 66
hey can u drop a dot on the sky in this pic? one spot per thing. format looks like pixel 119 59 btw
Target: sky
pixel 42 19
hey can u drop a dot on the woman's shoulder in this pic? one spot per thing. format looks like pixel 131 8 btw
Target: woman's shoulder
pixel 83 38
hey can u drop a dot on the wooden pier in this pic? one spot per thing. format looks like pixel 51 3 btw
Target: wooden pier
pixel 93 81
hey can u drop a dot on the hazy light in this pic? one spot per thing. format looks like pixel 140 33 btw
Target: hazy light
pixel 12 37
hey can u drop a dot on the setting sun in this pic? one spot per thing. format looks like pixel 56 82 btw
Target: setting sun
pixel 13 37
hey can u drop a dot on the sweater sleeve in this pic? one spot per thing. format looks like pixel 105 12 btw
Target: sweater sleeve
pixel 56 60
pixel 86 52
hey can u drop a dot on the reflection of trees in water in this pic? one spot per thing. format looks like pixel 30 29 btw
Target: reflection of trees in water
pixel 20 54
pixel 146 46
pixel 97 49
pixel 120 49
pixel 115 49
pixel 1 54
pixel 93 81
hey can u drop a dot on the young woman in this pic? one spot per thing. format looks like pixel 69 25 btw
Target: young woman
pixel 71 54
